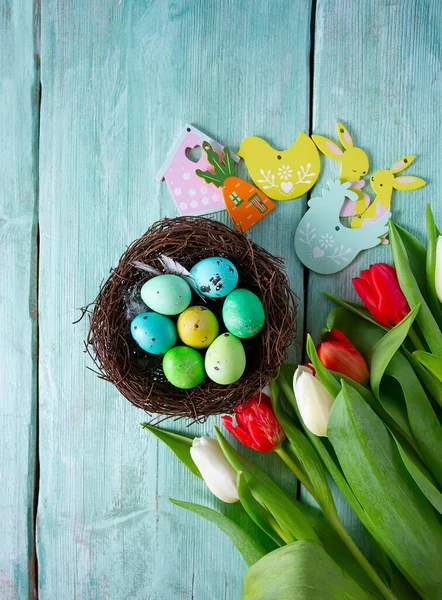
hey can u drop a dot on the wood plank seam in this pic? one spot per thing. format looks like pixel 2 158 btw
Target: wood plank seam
pixel 33 572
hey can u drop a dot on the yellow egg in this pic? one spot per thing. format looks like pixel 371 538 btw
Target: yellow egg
pixel 197 327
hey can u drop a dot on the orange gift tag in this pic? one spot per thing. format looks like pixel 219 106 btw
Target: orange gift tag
pixel 245 204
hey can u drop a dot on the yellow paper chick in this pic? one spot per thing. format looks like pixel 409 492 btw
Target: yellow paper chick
pixel 282 174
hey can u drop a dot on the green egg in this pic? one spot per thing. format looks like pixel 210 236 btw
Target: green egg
pixel 183 367
pixel 166 294
pixel 243 313
pixel 225 359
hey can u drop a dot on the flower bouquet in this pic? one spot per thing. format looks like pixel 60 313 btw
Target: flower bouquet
pixel 365 412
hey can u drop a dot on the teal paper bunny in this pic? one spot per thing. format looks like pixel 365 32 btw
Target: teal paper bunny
pixel 322 243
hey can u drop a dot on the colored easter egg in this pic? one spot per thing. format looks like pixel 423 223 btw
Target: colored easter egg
pixel 167 294
pixel 183 367
pixel 197 327
pixel 215 277
pixel 154 333
pixel 243 313
pixel 225 359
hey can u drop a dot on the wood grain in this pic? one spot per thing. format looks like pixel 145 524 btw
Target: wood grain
pixel 18 263
pixel 377 69
pixel 119 81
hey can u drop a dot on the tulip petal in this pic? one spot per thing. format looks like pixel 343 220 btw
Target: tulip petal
pixel 314 403
pixel 218 474
pixel 367 295
pixel 392 302
pixel 238 432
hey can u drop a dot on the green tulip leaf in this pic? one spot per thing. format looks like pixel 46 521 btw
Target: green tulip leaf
pixel 431 362
pixel 421 475
pixel 429 380
pixel 423 422
pixel 249 549
pixel 405 524
pixel 285 510
pixel 387 347
pixel 324 375
pixel 417 256
pixel 302 570
pixel 179 444
pixel 256 511
pixel 432 234
pixel 427 323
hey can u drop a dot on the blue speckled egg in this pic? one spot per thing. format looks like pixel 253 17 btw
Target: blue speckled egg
pixel 167 294
pixel 154 333
pixel 215 277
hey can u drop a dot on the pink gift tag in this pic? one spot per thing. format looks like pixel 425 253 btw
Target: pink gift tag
pixel 191 194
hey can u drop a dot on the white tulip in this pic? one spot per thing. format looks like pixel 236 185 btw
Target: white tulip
pixel 314 401
pixel 217 472
pixel 438 274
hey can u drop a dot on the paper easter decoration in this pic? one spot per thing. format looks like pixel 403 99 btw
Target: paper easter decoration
pixel 322 243
pixel 282 174
pixel 245 203
pixel 383 183
pixel 191 195
pixel 354 164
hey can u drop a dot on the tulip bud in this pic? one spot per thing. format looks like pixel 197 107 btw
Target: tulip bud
pixel 378 288
pixel 438 274
pixel 256 425
pixel 215 469
pixel 337 353
pixel 314 401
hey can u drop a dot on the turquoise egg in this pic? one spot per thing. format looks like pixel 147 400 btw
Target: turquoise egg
pixel 215 277
pixel 225 359
pixel 183 367
pixel 154 333
pixel 167 294
pixel 243 313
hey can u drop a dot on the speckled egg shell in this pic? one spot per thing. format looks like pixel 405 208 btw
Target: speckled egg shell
pixel 167 294
pixel 183 367
pixel 215 277
pixel 154 333
pixel 243 313
pixel 197 327
pixel 225 359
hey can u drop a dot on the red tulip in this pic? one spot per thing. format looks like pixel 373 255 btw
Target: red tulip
pixel 379 290
pixel 256 425
pixel 337 353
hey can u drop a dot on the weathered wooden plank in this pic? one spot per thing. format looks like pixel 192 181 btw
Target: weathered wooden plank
pixel 18 259
pixel 119 81
pixel 377 69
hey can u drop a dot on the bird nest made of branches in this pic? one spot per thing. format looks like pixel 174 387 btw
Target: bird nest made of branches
pixel 138 375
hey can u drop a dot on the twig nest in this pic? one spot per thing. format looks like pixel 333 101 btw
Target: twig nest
pixel 139 375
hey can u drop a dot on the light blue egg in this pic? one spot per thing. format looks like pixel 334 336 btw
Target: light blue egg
pixel 154 333
pixel 167 294
pixel 215 277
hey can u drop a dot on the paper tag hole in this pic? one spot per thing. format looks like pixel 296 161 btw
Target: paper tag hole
pixel 194 154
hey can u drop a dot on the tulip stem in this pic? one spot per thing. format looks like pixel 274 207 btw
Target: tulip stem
pixel 297 472
pixel 365 564
pixel 415 339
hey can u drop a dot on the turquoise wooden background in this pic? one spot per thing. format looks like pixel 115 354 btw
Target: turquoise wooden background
pixel 91 95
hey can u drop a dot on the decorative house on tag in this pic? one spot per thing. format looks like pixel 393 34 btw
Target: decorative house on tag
pixel 323 244
pixel 245 203
pixel 191 195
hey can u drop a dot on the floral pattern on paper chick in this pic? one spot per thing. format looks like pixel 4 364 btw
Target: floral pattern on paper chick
pixel 282 174
pixel 323 244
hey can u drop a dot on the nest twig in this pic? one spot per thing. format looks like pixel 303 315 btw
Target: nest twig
pixel 139 376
